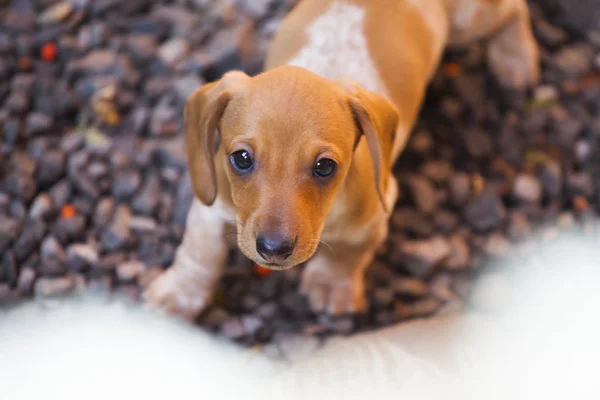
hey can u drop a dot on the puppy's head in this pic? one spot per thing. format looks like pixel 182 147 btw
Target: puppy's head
pixel 285 141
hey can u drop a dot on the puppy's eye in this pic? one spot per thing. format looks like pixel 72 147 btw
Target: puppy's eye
pixel 241 160
pixel 324 167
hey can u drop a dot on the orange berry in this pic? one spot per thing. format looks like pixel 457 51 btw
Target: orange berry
pixel 261 271
pixel 48 52
pixel 67 211
pixel 452 69
pixel 24 63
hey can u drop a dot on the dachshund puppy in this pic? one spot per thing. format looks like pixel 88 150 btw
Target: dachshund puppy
pixel 302 154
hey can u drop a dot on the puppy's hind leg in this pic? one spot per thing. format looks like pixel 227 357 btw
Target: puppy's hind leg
pixel 187 286
pixel 513 54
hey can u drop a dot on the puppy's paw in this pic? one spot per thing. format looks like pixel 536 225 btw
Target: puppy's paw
pixel 515 63
pixel 178 294
pixel 331 292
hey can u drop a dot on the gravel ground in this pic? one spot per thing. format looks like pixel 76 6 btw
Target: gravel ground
pixel 94 189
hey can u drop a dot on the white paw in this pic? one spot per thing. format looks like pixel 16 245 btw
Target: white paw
pixel 333 292
pixel 179 294
pixel 516 65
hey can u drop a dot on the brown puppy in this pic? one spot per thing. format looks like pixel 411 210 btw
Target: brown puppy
pixel 302 154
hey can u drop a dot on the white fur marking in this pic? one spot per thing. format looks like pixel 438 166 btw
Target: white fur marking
pixel 337 48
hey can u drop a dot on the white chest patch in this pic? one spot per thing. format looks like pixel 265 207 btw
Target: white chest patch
pixel 337 48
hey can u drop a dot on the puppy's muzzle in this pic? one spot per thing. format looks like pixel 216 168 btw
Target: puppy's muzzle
pixel 274 248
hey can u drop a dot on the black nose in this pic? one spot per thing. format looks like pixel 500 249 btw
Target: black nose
pixel 274 248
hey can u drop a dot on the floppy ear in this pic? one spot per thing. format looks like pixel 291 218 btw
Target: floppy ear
pixel 203 111
pixel 376 119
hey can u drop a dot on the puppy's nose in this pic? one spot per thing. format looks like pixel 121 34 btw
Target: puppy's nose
pixel 274 248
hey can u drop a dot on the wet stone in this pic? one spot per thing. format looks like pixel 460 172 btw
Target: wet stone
pixel 267 310
pixel 485 212
pixel 41 207
pixel 215 317
pixel 419 257
pixel 126 184
pixel 8 268
pixel 26 279
pixel 71 142
pixel 81 256
pixel 232 328
pixel 118 235
pixel 147 200
pixel 528 189
pixel 51 167
pixel 251 324
pixel 30 237
pixel 460 253
pixel 408 220
pixel 49 287
pixel 20 185
pixel 460 188
pixel 423 193
pixel 37 123
pixel 10 228
pixel 104 211
pixel 52 252
pixel 70 229
pixel 130 270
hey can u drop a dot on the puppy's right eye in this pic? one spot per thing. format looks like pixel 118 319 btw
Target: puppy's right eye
pixel 241 160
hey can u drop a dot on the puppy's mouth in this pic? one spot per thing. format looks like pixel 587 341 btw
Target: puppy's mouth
pixel 276 267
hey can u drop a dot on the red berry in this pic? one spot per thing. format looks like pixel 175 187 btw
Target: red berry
pixel 48 52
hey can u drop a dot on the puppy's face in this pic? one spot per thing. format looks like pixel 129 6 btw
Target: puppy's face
pixel 285 142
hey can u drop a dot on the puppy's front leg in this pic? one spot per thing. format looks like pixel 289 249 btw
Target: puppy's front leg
pixel 334 278
pixel 187 286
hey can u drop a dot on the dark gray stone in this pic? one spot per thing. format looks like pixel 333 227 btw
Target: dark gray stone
pixel 26 279
pixel 118 235
pixel 460 253
pixel 215 317
pixel 407 220
pixel 41 207
pixel 69 229
pixel 31 235
pixel 574 60
pixel 147 200
pixel 51 167
pixel 233 328
pixel 485 212
pixel 80 256
pixel 50 287
pixel 10 229
pixel 478 143
pixel 126 184
pixel 53 261
pixel 71 142
pixel 60 194
pixel 423 193
pixel 420 257
pixel 445 221
pixel 165 120
pixel 21 185
pixel 38 123
pixel 267 310
pixel 142 46
pixel 183 200
pixel 8 268
pixel 251 324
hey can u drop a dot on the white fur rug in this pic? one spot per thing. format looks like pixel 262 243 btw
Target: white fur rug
pixel 537 337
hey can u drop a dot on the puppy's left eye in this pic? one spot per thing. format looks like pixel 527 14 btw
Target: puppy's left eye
pixel 241 160
pixel 324 167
